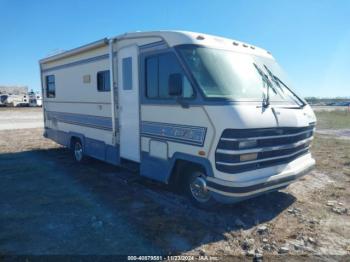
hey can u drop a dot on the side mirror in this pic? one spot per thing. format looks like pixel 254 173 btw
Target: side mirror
pixel 175 84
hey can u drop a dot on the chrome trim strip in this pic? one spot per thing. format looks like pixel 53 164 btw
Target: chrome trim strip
pixel 266 137
pixel 297 175
pixel 296 166
pixel 264 149
pixel 261 160
pixel 248 193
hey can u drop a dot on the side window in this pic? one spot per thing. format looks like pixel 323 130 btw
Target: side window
pixel 167 65
pixel 127 73
pixel 50 86
pixel 103 82
pixel 158 69
pixel 187 89
pixel 152 77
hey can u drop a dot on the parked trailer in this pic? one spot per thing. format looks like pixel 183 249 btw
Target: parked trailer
pixel 17 100
pixel 211 115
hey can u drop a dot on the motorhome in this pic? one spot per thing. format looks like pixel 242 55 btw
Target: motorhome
pixel 35 99
pixel 17 100
pixel 212 116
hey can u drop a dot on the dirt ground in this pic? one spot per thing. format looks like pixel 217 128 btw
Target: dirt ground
pixel 51 205
pixel 19 118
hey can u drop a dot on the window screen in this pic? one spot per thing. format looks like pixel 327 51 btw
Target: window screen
pixel 103 82
pixel 50 86
pixel 127 73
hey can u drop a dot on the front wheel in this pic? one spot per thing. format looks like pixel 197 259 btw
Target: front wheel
pixel 78 152
pixel 197 191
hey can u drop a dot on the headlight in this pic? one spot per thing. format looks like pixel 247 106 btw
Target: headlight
pixel 247 144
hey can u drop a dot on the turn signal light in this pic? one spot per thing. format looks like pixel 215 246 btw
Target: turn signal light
pixel 201 153
pixel 248 157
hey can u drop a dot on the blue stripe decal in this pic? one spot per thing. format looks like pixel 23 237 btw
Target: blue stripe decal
pixel 98 122
pixel 192 135
pixel 83 61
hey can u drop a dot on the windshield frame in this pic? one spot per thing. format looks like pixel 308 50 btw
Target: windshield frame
pixel 199 89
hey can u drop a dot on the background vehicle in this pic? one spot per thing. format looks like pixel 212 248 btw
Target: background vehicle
pixel 17 100
pixel 210 115
pixel 35 99
pixel 39 100
pixel 3 100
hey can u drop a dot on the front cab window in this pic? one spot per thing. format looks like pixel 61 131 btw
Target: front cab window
pixel 158 69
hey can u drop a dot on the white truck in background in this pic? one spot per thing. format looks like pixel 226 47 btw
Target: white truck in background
pixel 210 115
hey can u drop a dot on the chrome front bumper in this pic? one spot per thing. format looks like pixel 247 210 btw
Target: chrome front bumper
pixel 235 191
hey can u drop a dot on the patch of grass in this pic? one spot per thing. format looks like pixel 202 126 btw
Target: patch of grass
pixel 332 155
pixel 337 119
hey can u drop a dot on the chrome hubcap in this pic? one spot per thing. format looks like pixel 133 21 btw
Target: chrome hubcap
pixel 199 189
pixel 78 151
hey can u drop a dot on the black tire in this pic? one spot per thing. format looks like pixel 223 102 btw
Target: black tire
pixel 202 198
pixel 78 151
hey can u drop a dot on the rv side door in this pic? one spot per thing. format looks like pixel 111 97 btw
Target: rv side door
pixel 128 99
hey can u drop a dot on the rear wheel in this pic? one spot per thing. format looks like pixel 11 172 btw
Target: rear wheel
pixel 78 152
pixel 197 191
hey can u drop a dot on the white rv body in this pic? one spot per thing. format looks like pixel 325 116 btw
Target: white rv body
pixel 128 123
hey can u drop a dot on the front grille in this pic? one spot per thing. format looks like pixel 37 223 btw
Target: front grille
pixel 272 146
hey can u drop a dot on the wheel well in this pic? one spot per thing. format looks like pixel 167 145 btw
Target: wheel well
pixel 182 167
pixel 73 139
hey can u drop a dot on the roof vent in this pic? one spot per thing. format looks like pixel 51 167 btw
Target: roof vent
pixel 200 37
pixel 235 43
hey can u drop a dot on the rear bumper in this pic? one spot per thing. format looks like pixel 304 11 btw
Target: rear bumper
pixel 235 191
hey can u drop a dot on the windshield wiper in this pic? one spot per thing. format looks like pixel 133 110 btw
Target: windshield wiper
pixel 278 81
pixel 266 80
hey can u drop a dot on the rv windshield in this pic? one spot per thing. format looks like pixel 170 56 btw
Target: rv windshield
pixel 237 76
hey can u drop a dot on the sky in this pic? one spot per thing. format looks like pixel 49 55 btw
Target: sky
pixel 309 38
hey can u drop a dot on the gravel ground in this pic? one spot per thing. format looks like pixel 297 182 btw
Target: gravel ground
pixel 51 205
pixel 330 108
pixel 19 118
pixel 339 134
